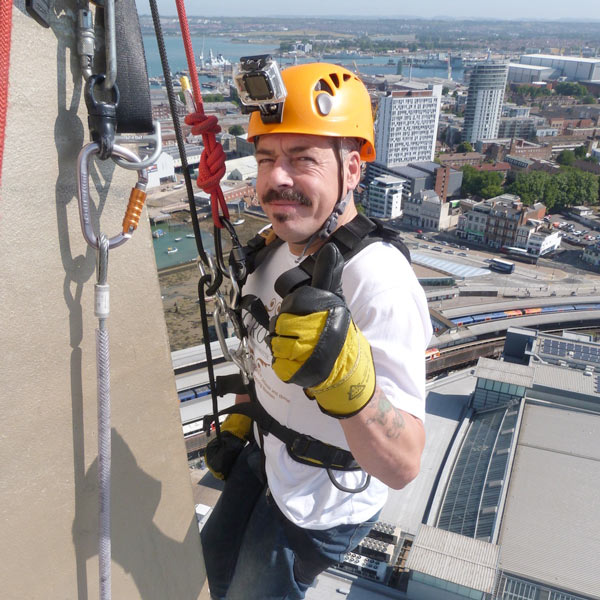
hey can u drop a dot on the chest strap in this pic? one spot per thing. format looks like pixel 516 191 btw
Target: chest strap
pixel 301 447
pixel 350 239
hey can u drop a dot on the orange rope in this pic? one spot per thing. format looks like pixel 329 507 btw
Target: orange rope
pixel 212 162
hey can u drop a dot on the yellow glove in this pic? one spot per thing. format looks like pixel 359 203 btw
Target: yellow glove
pixel 316 345
pixel 221 453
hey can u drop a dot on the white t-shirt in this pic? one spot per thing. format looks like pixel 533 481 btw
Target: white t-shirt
pixel 388 305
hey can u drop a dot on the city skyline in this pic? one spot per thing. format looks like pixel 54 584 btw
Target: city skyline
pixel 428 9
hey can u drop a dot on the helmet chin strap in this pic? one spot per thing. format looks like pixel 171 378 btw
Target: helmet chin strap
pixel 330 224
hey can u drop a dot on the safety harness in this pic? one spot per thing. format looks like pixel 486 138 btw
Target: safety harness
pixel 350 239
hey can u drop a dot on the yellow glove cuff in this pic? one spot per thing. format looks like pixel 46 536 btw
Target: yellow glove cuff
pixel 351 383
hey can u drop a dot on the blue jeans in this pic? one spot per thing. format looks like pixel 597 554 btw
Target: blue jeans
pixel 253 552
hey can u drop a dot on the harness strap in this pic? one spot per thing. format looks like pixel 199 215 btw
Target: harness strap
pixel 350 240
pixel 134 111
pixel 301 447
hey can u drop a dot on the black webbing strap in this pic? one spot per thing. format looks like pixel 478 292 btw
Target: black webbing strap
pixel 256 308
pixel 134 112
pixel 301 447
pixel 349 239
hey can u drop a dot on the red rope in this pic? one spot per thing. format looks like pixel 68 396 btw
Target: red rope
pixel 212 162
pixel 5 28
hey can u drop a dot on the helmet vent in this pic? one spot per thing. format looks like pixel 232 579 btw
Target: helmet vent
pixel 323 86
pixel 335 79
pixel 346 76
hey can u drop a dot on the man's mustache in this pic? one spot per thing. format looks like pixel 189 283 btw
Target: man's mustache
pixel 288 195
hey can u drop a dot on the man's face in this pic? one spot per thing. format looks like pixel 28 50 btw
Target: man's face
pixel 297 182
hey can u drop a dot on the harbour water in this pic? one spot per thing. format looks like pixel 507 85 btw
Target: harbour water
pixel 186 247
pixel 232 51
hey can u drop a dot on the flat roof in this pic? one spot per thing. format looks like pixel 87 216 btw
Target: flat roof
pixel 565 58
pixel 550 528
pixel 444 407
pixel 505 372
pixel 410 172
pixel 528 67
pixel 453 557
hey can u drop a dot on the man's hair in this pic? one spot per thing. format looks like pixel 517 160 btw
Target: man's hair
pixel 350 144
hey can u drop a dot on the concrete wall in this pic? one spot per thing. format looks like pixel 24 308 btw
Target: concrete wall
pixel 48 445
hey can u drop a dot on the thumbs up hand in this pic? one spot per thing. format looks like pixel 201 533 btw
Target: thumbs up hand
pixel 316 345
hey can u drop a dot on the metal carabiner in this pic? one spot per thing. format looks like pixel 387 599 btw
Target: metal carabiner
pixel 209 270
pixel 240 357
pixel 83 189
pixel 155 139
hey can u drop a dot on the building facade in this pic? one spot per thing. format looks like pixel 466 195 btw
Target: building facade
pixel 496 222
pixel 484 101
pixel 385 197
pixel 406 126
pixel 574 68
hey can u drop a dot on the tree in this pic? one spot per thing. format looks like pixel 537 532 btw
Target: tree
pixel 580 152
pixel 588 99
pixel 485 184
pixel 213 97
pixel 570 88
pixel 570 187
pixel 566 158
pixel 530 187
pixel 464 147
pixel 236 130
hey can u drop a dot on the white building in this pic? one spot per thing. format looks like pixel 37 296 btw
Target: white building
pixel 385 197
pixel 407 122
pixel 241 169
pixel 163 168
pixel 426 210
pixel 518 73
pixel 484 101
pixel 573 68
pixel 543 241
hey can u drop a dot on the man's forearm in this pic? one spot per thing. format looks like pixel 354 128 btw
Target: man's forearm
pixel 387 442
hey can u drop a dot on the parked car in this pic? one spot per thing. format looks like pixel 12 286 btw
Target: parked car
pixel 438 248
pixel 462 254
pixel 448 251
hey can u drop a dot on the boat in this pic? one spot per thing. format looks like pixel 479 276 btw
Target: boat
pixel 239 221
pixel 178 239
pixel 190 235
pixel 158 233
pixel 172 250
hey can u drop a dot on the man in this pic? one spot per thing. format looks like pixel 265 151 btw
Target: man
pixel 342 362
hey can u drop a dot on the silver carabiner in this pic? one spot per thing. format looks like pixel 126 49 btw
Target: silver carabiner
pixel 83 189
pixel 155 139
pixel 211 269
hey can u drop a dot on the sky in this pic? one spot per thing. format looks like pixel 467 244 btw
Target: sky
pixel 517 9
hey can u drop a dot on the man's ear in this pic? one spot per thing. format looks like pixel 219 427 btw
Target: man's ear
pixel 353 170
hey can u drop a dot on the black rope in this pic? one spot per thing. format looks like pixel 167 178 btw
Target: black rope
pixel 177 126
pixel 206 279
pixel 209 360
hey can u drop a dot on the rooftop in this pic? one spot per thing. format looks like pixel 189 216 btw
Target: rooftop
pixel 565 58
pixel 550 531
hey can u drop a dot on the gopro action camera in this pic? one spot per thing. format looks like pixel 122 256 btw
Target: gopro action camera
pixel 260 86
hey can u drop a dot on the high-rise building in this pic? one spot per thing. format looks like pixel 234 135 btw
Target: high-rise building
pixel 484 101
pixel 407 121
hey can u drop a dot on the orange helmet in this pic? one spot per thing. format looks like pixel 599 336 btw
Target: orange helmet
pixel 322 99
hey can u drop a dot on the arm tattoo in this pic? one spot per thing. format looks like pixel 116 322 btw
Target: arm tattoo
pixel 385 415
